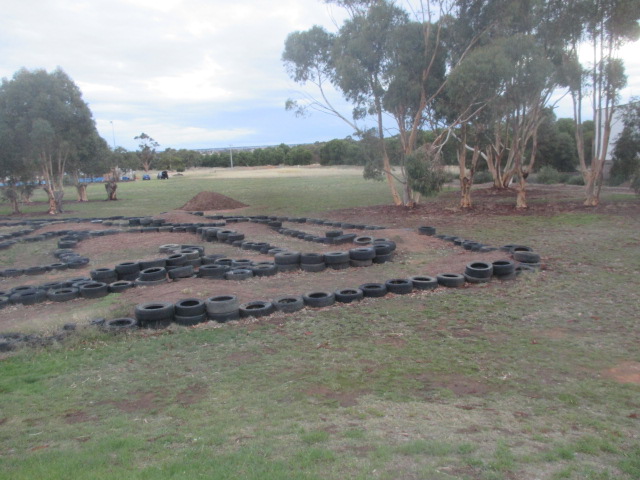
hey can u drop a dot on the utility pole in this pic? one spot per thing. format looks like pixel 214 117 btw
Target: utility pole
pixel 231 155
pixel 113 133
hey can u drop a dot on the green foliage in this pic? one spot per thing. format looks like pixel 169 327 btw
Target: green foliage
pixel 47 130
pixel 626 152
pixel 482 176
pixel 425 174
pixel 547 175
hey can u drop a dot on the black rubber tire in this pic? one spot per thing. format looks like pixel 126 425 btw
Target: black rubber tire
pixel 37 270
pixel 238 274
pixel 424 282
pixel 503 267
pixel 169 248
pixel 390 244
pixel 399 286
pixel 149 283
pixel 154 312
pixel 184 271
pixel 374 290
pixel 225 317
pixel 348 295
pixel 221 304
pixel 28 297
pixel 94 290
pixel 363 240
pixel 257 308
pixel 333 233
pixel 332 258
pixel 287 258
pixel 78 262
pixel 152 274
pixel 288 303
pixel 479 270
pixel 120 286
pixel 450 280
pixel 360 263
pixel 241 263
pixel 313 267
pixel 176 259
pixel 311 258
pixel 288 268
pixel 471 279
pixel 427 230
pixel 519 248
pixel 120 324
pixel 157 262
pixel 382 249
pixel 189 307
pixel 224 261
pixel 58 266
pixel 526 257
pixel 264 270
pixel 189 321
pixel 213 271
pixel 362 253
pixel 106 275
pixel 524 268
pixel 319 299
pixel 339 266
pixel 63 294
pixel 12 272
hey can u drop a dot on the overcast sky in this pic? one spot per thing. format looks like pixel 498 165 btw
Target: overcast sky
pixel 189 73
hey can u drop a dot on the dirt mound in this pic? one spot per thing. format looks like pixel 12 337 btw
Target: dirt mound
pixel 211 201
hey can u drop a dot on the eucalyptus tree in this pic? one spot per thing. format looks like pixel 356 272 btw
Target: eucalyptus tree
pixel 146 150
pixel 49 120
pixel 606 26
pixel 387 65
pixel 16 174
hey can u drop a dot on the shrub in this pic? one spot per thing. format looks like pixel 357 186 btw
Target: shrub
pixel 575 180
pixel 547 175
pixel 425 174
pixel 483 176
pixel 635 181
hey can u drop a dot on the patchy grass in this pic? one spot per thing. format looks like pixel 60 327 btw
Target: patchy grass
pixel 499 381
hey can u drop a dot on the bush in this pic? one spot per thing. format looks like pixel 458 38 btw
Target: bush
pixel 425 174
pixel 635 181
pixel 483 176
pixel 547 175
pixel 575 180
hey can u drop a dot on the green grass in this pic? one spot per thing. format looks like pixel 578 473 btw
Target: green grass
pixel 277 196
pixel 497 382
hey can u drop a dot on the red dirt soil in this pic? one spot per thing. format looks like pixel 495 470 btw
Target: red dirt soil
pixel 211 201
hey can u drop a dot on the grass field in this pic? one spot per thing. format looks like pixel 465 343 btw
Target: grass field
pixel 535 379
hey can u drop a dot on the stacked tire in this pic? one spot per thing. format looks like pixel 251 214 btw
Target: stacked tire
pixel 478 272
pixel 190 311
pixel 312 262
pixel 155 314
pixel 223 308
pixel 287 261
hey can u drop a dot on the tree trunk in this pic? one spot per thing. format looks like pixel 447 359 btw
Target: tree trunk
pixel 521 198
pixel 111 188
pixel 465 192
pixel 591 189
pixel 13 196
pixel 55 200
pixel 82 192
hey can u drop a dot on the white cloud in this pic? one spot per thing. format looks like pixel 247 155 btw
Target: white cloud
pixel 184 71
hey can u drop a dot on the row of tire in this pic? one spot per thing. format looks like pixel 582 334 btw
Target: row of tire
pixel 524 255
pixel 223 308
pixel 276 221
